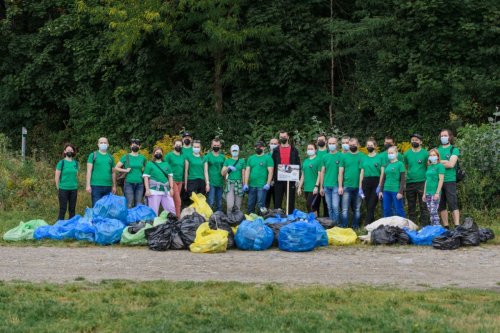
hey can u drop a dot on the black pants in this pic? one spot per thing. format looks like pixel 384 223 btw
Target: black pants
pixel 67 201
pixel 196 186
pixel 269 196
pixel 280 193
pixel 371 199
pixel 414 193
pixel 312 202
pixel 325 206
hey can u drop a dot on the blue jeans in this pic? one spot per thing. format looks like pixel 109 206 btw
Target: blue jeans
pixel 351 199
pixel 332 200
pixel 97 192
pixel 256 195
pixel 133 193
pixel 390 201
pixel 215 198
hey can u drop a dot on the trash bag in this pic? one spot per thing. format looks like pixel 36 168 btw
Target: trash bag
pixel 177 242
pixel 235 217
pixel 62 229
pixel 24 231
pixel 386 235
pixel 321 235
pixel 201 205
pixel 394 221
pixel 84 228
pixel 326 222
pixel 112 207
pixel 165 237
pixel 42 232
pixel 219 220
pixel 276 226
pixel 254 235
pixel 189 225
pixel 297 215
pixel 469 233
pixel 209 241
pixel 449 240
pixel 186 212
pixel 297 237
pixel 274 213
pixel 341 236
pixel 252 217
pixel 107 231
pixel 485 234
pixel 135 234
pixel 140 213
pixel 425 235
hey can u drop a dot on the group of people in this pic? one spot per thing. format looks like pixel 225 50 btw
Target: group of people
pixel 339 175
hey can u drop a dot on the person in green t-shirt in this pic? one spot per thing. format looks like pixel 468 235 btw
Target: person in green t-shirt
pixel 234 172
pixel 187 139
pixel 449 158
pixel 214 161
pixel 258 176
pixel 101 178
pixel 434 178
pixel 310 179
pixel 392 184
pixel 273 144
pixel 329 187
pixel 132 165
pixel 159 183
pixel 321 143
pixel 176 159
pixel 194 172
pixel 369 178
pixel 415 160
pixel 388 142
pixel 66 178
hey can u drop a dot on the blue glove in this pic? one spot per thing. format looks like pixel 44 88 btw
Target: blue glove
pixel 377 190
pixel 232 168
pixel 361 194
pixel 266 187
pixel 245 188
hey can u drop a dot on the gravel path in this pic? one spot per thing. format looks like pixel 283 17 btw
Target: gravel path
pixel 406 267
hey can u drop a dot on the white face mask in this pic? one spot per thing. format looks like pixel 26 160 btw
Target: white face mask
pixel 444 140
pixel 272 146
pixel 433 159
pixel 332 147
pixel 235 153
pixel 345 146
pixel 311 152
pixel 196 150
pixel 103 146
pixel 391 156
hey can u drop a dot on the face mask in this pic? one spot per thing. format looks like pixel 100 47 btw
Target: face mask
pixel 103 147
pixel 283 140
pixel 187 142
pixel 178 149
pixel 345 146
pixel 321 143
pixel 415 144
pixel 135 149
pixel 158 156
pixel 196 150
pixel 391 156
pixel 272 146
pixel 258 151
pixel 387 146
pixel 235 153
pixel 311 152
pixel 70 154
pixel 370 149
pixel 433 159
pixel 444 140
pixel 332 147
pixel 216 149
pixel 353 149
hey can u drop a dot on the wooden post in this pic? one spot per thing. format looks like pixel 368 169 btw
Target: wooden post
pixel 287 195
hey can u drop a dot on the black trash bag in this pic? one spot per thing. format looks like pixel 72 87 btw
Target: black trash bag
pixel 134 228
pixel 386 235
pixel 485 234
pixel 177 242
pixel 219 220
pixel 450 240
pixel 326 222
pixel 159 237
pixel 276 227
pixel 188 227
pixel 171 217
pixel 278 212
pixel 235 217
pixel 469 233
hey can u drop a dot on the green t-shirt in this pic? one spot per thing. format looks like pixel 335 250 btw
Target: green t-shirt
pixel 155 173
pixel 69 175
pixel 176 162
pixel 102 169
pixel 186 151
pixel 352 166
pixel 215 164
pixel 417 165
pixel 432 177
pixel 136 163
pixel 196 167
pixel 371 166
pixel 331 163
pixel 311 168
pixel 385 160
pixel 321 153
pixel 258 169
pixel 393 176
pixel 450 175
pixel 235 175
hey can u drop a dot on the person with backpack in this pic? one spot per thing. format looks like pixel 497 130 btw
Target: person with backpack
pixel 101 178
pixel 449 158
pixel 159 183
pixel 66 178
pixel 130 168
pixel 234 172
pixel 176 159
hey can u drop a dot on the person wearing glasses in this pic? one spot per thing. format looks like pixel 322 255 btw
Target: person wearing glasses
pixel 133 165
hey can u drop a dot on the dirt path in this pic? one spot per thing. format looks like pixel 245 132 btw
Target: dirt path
pixel 407 267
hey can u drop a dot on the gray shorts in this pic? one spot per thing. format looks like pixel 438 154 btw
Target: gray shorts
pixel 448 197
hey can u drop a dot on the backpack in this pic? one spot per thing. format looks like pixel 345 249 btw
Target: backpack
pixel 460 173
pixel 120 177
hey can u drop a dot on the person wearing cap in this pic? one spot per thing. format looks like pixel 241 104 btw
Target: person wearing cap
pixel 213 163
pixel 258 176
pixel 288 155
pixel 194 172
pixel 132 164
pixel 273 144
pixel 415 160
pixel 187 139
pixel 234 172
pixel 176 160
pixel 101 178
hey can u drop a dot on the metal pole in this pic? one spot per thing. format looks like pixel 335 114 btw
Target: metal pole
pixel 23 143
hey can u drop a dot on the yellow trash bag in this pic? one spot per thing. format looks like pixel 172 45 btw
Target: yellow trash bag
pixel 341 236
pixel 208 240
pixel 235 229
pixel 251 217
pixel 200 205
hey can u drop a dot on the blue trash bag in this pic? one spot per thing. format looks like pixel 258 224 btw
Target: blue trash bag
pixel 272 220
pixel 298 237
pixel 321 235
pixel 84 229
pixel 108 231
pixel 140 213
pixel 254 235
pixel 62 229
pixel 425 235
pixel 42 232
pixel 111 207
pixel 297 215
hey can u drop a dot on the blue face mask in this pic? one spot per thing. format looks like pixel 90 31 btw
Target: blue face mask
pixel 310 152
pixel 345 146
pixel 196 150
pixel 433 159
pixel 391 156
pixel 103 147
pixel 445 140
pixel 332 147
pixel 235 153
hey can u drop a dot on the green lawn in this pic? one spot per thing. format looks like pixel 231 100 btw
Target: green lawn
pixel 121 306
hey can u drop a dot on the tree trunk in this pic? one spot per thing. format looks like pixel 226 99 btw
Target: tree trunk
pixel 218 82
pixel 332 69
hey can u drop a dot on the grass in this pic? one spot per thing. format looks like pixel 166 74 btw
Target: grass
pixel 122 306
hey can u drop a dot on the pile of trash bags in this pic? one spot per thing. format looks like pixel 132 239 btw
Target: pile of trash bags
pixel 466 234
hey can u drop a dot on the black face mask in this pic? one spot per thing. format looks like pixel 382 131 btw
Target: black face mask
pixel 158 156
pixel 415 144
pixel 370 149
pixel 69 154
pixel 387 146
pixel 216 149
pixel 353 148
pixel 259 151
pixel 283 140
pixel 187 142
pixel 178 149
pixel 321 143
pixel 135 149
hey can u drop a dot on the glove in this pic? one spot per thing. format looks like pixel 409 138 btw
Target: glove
pixel 232 168
pixel 266 187
pixel 245 188
pixel 361 194
pixel 377 190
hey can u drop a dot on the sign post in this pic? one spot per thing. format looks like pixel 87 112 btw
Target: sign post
pixel 24 132
pixel 288 173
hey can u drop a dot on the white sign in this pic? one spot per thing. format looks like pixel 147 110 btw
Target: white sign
pixel 289 173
